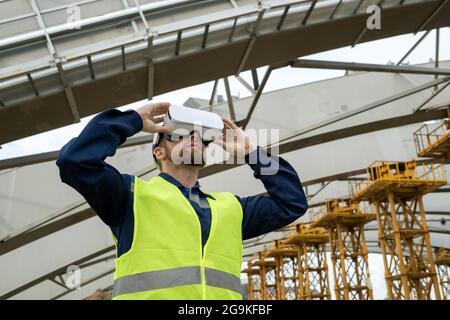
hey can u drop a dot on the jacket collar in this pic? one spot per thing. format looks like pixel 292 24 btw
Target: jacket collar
pixel 179 185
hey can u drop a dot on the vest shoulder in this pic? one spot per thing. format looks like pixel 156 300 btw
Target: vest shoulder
pixel 154 183
pixel 152 180
pixel 222 195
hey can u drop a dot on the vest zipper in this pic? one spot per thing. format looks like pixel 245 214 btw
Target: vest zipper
pixel 202 249
pixel 203 255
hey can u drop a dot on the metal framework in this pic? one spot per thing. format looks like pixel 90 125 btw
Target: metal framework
pixel 434 141
pixel 53 275
pixel 396 189
pixel 254 281
pixel 286 260
pixel 313 283
pixel 267 275
pixel 365 108
pixel 345 223
pixel 285 147
pixel 369 67
pixel 442 261
pixel 152 54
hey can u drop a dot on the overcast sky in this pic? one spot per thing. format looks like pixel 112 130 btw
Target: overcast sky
pixel 381 51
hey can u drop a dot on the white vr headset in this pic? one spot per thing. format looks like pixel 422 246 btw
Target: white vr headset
pixel 182 121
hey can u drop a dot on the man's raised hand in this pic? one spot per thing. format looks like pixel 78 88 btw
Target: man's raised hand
pixel 152 114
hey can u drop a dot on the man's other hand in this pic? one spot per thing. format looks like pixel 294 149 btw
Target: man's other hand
pixel 152 114
pixel 234 140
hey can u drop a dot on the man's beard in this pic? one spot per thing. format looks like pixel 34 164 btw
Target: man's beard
pixel 196 159
pixel 188 157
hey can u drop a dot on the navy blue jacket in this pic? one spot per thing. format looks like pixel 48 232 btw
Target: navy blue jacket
pixel 82 166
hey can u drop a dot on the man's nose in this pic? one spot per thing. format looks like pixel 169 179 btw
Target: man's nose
pixel 195 136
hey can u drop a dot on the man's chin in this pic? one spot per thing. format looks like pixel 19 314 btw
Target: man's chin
pixel 192 161
pixel 195 149
pixel 198 165
pixel 197 161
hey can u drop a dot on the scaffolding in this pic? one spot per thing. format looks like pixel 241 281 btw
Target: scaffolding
pixel 254 281
pixel 286 270
pixel 312 265
pixel 395 190
pixel 434 140
pixel 442 261
pixel 267 276
pixel 345 224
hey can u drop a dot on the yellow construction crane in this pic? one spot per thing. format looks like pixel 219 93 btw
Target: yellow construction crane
pixel 434 140
pixel 267 276
pixel 286 271
pixel 254 281
pixel 442 261
pixel 396 189
pixel 345 224
pixel 313 283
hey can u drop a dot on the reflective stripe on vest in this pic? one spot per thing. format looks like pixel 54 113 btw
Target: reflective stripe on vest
pixel 162 279
pixel 224 280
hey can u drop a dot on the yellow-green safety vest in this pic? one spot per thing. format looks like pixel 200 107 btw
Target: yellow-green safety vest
pixel 166 259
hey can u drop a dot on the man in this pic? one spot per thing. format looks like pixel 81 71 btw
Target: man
pixel 173 240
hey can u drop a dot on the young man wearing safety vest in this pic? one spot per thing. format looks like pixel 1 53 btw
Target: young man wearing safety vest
pixel 174 240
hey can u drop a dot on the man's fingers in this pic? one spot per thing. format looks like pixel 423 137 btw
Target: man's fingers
pixel 158 119
pixel 229 123
pixel 226 126
pixel 219 142
pixel 160 108
pixel 161 129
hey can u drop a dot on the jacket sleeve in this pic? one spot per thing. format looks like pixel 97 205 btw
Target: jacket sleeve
pixel 284 203
pixel 82 163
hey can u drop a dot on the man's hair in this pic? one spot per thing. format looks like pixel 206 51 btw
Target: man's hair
pixel 162 144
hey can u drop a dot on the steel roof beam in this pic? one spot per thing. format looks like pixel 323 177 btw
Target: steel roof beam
pixel 229 99
pixel 255 100
pixel 335 10
pixel 432 15
pixel 212 100
pixel 353 66
pixel 51 48
pixel 434 94
pixel 340 134
pixel 364 28
pixel 53 155
pixel 129 13
pixel 283 17
pixel 309 12
pixel 45 106
pixel 245 84
pixel 366 108
pixel 97 277
pixel 55 273
pixel 343 133
pixel 255 79
pixel 357 7
pixel 251 42
pixel 133 23
pixel 413 47
pixel 150 68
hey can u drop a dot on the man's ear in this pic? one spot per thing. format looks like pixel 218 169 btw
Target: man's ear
pixel 160 153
